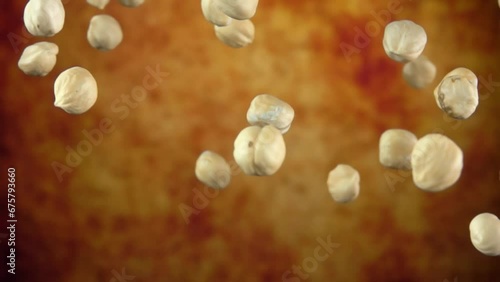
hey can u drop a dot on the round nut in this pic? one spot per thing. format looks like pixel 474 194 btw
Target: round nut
pixel 404 40
pixel 485 234
pixel 38 59
pixel 75 90
pixel 343 183
pixel 436 162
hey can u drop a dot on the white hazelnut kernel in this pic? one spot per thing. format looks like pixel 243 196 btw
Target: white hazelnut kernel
pixel 404 40
pixel 38 59
pixel 485 233
pixel 419 73
pixel 236 34
pixel 395 148
pixel 131 3
pixel 100 4
pixel 238 9
pixel 343 183
pixel 268 110
pixel 457 94
pixel 213 14
pixel 436 162
pixel 75 90
pixel 104 33
pixel 44 17
pixel 259 150
pixel 213 170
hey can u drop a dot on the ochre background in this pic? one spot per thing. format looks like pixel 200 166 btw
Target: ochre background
pixel 119 209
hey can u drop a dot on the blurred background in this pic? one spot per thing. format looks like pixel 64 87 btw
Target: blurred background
pixel 129 207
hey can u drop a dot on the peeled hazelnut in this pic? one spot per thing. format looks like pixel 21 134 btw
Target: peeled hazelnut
pixel 404 40
pixel 259 151
pixel 485 234
pixel 395 148
pixel 38 59
pixel 266 109
pixel 238 9
pixel 104 33
pixel 236 34
pixel 436 162
pixel 100 4
pixel 457 94
pixel 343 183
pixel 213 14
pixel 213 170
pixel 75 90
pixel 419 73
pixel 131 3
pixel 44 17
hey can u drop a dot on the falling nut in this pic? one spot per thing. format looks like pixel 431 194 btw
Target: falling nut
pixel 436 162
pixel 44 17
pixel 485 234
pixel 266 109
pixel 104 33
pixel 236 34
pixel 457 94
pixel 395 148
pixel 259 150
pixel 100 4
pixel 404 40
pixel 238 9
pixel 213 14
pixel 213 170
pixel 38 59
pixel 75 90
pixel 419 73
pixel 131 3
pixel 343 183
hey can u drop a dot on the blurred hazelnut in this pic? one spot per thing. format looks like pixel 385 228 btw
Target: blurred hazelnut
pixel 343 183
pixel 395 148
pixel 236 34
pixel 436 162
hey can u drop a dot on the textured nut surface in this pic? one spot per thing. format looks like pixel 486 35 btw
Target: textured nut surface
pixel 75 90
pixel 236 34
pixel 457 94
pixel 213 14
pixel 238 9
pixel 100 4
pixel 44 17
pixel 420 72
pixel 485 233
pixel 131 3
pixel 343 183
pixel 259 151
pixel 395 148
pixel 38 59
pixel 213 170
pixel 266 109
pixel 404 40
pixel 104 33
pixel 436 162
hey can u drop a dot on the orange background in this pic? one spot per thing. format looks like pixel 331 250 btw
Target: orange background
pixel 119 208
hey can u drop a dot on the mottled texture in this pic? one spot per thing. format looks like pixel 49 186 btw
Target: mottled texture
pixel 120 207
